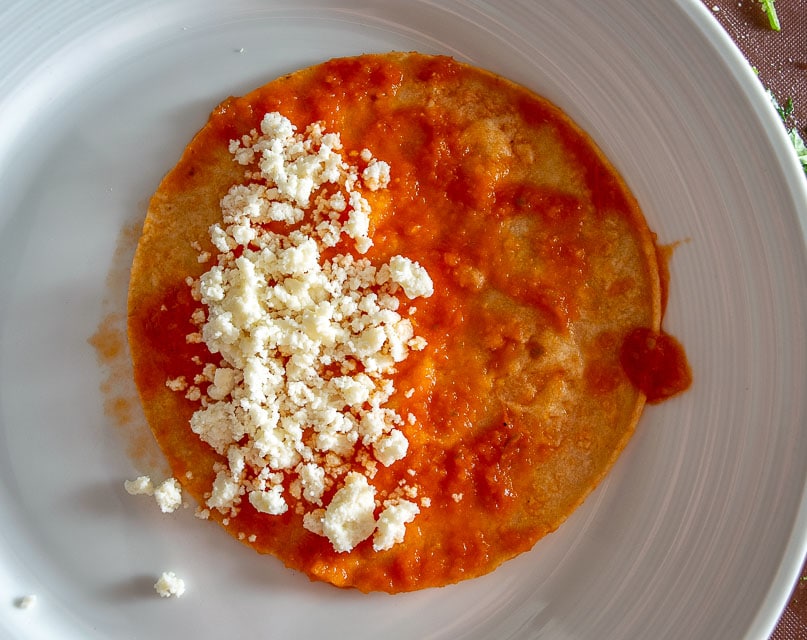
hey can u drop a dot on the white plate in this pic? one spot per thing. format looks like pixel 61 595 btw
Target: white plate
pixel 698 533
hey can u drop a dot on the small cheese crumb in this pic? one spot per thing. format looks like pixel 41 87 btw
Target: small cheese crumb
pixel 391 448
pixel 376 175
pixel 194 393
pixel 225 490
pixel 168 495
pixel 169 585
pixel 413 278
pixel 312 478
pixel 349 519
pixel 270 502
pixel 140 486
pixel 177 384
pixel 392 524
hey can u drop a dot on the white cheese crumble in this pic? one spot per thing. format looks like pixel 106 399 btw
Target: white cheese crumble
pixel 411 276
pixel 169 585
pixel 391 447
pixel 177 384
pixel 376 175
pixel 140 486
pixel 308 333
pixel 349 518
pixel 271 502
pixel 168 495
pixel 392 524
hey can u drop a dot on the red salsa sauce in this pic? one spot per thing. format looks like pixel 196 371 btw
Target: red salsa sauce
pixel 655 362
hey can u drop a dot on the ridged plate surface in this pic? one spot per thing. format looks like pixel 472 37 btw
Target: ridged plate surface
pixel 700 529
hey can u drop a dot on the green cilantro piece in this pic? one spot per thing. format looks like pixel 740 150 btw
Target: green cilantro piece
pixel 770 11
pixel 799 146
pixel 795 138
pixel 786 111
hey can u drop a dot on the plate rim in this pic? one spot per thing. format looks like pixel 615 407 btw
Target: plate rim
pixel 700 17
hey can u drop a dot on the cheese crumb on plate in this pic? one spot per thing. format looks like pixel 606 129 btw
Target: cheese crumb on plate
pixel 169 585
pixel 168 494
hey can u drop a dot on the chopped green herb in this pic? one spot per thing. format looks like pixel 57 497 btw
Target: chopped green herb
pixel 786 111
pixel 795 138
pixel 770 11
pixel 799 146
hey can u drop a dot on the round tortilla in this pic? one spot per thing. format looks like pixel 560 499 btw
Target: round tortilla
pixel 542 263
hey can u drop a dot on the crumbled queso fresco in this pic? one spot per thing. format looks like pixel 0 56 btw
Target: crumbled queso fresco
pixel 307 344
pixel 168 493
pixel 169 585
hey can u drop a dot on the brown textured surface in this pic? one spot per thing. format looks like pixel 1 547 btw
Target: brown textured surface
pixel 781 61
pixel 780 57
